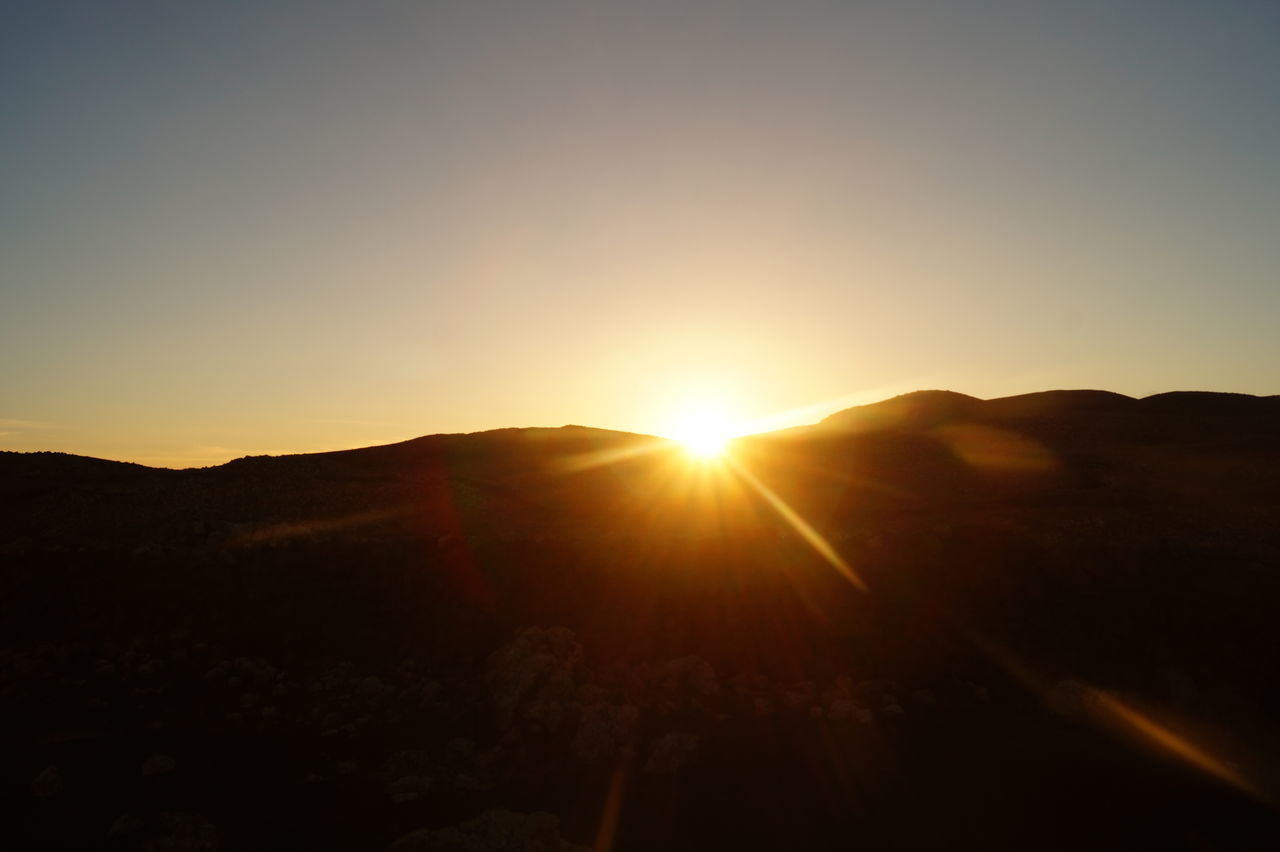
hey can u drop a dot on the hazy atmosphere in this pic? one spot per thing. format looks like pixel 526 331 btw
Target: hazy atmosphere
pixel 233 228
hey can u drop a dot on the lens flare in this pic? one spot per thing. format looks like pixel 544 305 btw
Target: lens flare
pixel 802 527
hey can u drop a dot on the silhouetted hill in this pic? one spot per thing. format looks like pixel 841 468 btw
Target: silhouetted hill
pixel 47 466
pixel 506 478
pixel 465 641
pixel 1209 404
pixel 925 409
pixel 1058 403
pixel 929 449
pixel 916 410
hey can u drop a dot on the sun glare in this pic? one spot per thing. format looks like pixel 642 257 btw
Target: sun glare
pixel 704 435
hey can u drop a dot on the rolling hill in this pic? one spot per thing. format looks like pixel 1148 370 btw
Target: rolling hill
pixel 466 639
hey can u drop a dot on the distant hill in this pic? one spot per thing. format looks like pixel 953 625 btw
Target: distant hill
pixel 918 607
pixel 917 410
pixel 925 451
pixel 924 409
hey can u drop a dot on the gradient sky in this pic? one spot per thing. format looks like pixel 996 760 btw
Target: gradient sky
pixel 264 227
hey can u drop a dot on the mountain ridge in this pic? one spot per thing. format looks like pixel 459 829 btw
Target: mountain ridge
pixel 920 409
pixel 929 451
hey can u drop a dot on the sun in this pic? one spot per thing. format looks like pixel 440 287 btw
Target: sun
pixel 705 434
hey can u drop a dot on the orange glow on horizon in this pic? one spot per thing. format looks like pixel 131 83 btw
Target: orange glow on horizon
pixel 705 434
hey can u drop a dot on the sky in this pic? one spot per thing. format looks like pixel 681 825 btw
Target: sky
pixel 232 228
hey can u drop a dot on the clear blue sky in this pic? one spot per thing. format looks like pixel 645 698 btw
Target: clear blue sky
pixel 244 227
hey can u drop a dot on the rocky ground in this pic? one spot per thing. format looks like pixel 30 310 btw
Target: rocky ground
pixel 140 745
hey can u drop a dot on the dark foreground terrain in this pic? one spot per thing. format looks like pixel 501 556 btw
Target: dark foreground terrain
pixel 1044 622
